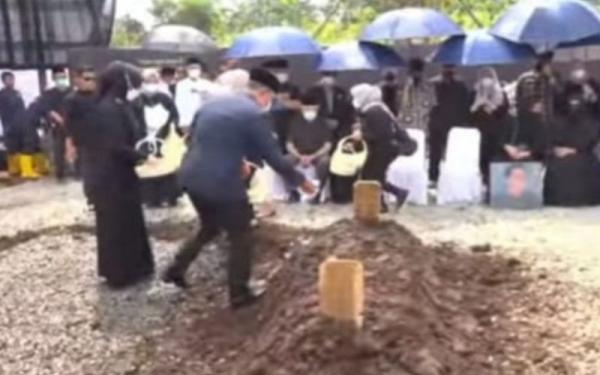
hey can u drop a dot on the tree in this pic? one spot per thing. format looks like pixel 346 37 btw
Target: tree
pixel 196 13
pixel 128 32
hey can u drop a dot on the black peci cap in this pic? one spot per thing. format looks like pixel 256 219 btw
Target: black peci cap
pixel 310 97
pixel 264 78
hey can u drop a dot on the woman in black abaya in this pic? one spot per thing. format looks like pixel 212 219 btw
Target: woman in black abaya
pixel 107 149
pixel 571 176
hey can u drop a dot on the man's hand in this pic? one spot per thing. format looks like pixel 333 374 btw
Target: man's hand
pixel 562 152
pixel 70 151
pixel 538 108
pixel 512 151
pixel 58 119
pixel 357 135
pixel 308 188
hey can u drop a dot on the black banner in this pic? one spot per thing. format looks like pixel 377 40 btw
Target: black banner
pixel 38 33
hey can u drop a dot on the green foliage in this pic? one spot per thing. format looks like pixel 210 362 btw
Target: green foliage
pixel 197 13
pixel 328 21
pixel 128 32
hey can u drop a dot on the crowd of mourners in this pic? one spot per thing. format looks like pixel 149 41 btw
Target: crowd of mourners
pixel 104 125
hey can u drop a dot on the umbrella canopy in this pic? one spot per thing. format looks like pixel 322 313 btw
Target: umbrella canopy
pixel 481 48
pixel 409 23
pixel 548 22
pixel 358 56
pixel 585 42
pixel 179 38
pixel 273 41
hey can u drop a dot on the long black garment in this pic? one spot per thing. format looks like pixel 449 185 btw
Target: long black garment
pixel 574 180
pixel 106 146
pixel 451 110
pixel 492 127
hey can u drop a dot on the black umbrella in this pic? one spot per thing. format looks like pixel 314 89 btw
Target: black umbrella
pixel 179 38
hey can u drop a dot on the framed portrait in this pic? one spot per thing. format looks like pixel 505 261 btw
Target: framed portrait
pixel 517 185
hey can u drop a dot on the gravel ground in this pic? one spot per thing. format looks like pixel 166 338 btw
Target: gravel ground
pixel 55 318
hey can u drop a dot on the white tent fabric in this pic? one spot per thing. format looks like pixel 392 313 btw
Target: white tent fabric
pixel 410 172
pixel 460 177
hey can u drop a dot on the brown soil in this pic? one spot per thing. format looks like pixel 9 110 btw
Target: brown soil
pixel 429 311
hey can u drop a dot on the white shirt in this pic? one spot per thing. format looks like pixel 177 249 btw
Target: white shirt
pixel 189 97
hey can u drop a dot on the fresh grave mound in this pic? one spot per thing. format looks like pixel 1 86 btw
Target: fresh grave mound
pixel 429 311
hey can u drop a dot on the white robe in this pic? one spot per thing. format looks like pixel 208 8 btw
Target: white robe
pixel 189 97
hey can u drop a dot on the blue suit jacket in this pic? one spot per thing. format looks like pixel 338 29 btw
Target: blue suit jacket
pixel 226 131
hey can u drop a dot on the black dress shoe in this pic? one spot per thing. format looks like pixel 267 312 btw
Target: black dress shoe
pixel 252 296
pixel 401 198
pixel 245 301
pixel 178 280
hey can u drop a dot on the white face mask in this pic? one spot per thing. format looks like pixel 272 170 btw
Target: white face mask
pixel 132 94
pixel 194 73
pixel 150 88
pixel 579 75
pixel 62 83
pixel 328 81
pixel 309 115
pixel 282 77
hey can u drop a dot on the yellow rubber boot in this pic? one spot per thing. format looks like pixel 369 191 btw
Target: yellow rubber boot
pixel 41 163
pixel 14 170
pixel 26 164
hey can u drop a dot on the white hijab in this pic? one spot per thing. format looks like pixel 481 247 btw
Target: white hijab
pixel 488 91
pixel 365 95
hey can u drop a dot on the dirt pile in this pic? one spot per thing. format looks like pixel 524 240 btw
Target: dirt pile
pixel 429 311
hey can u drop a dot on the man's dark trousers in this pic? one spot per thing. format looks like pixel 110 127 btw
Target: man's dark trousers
pixel 233 218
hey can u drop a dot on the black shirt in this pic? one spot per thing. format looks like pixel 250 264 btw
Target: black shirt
pixel 308 137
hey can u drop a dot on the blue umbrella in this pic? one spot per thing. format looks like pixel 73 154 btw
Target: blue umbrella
pixel 585 42
pixel 548 22
pixel 273 41
pixel 358 56
pixel 481 48
pixel 409 23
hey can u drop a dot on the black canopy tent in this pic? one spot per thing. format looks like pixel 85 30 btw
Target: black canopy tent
pixel 36 34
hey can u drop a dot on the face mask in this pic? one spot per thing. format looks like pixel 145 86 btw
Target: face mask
pixel 487 82
pixel 579 75
pixel 62 83
pixel 328 81
pixel 150 88
pixel 194 73
pixel 283 77
pixel 309 115
pixel 132 94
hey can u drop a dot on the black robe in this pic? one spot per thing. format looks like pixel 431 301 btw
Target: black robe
pixel 492 127
pixel 573 180
pixel 106 146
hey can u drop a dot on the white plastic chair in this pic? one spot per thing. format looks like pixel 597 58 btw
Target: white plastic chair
pixel 410 172
pixel 460 177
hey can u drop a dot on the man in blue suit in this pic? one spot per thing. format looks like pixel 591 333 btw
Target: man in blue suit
pixel 227 131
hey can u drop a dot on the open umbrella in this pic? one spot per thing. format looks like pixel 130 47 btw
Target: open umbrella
pixel 273 41
pixel 179 38
pixel 409 23
pixel 481 48
pixel 548 22
pixel 358 56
